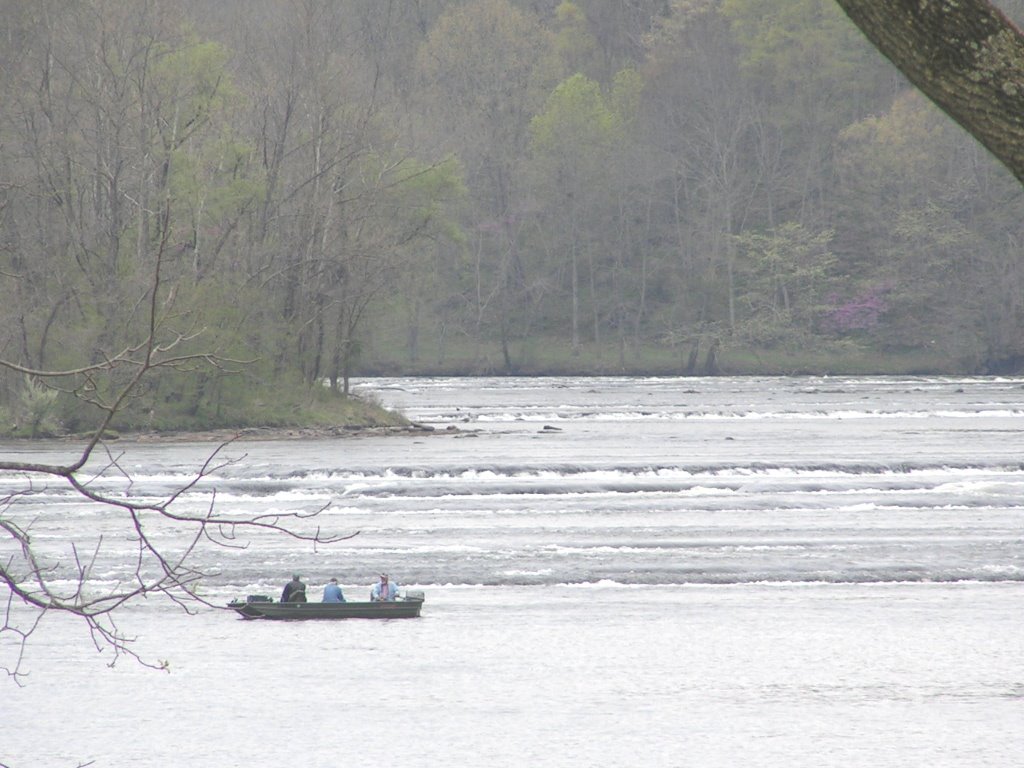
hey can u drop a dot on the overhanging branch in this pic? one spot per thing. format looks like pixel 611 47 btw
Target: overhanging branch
pixel 964 55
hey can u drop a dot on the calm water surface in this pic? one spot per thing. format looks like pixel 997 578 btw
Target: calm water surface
pixel 619 572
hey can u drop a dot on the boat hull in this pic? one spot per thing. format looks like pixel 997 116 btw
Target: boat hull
pixel 400 609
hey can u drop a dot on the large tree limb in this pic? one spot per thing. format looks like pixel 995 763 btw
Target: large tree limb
pixel 964 55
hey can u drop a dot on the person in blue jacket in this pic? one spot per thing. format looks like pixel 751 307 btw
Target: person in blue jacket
pixel 384 590
pixel 332 593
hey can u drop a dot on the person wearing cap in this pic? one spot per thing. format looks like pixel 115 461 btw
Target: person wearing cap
pixel 332 593
pixel 294 591
pixel 384 590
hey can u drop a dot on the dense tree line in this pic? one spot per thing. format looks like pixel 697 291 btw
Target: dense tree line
pixel 354 186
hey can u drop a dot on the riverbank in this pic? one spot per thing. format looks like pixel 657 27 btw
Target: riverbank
pixel 552 356
pixel 293 412
pixel 266 415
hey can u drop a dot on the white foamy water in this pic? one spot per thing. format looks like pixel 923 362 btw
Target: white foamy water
pixel 619 572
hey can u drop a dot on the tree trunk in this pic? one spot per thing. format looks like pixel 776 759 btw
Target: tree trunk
pixel 964 55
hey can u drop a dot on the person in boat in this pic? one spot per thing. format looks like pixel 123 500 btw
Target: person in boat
pixel 384 590
pixel 294 591
pixel 332 593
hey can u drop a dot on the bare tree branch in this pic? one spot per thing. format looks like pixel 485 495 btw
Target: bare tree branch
pixel 34 582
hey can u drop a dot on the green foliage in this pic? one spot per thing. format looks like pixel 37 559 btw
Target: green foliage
pixel 418 195
pixel 572 41
pixel 785 273
pixel 626 95
pixel 36 411
pixel 190 82
pixel 892 158
pixel 476 186
pixel 217 182
pixel 480 61
pixel 241 401
pixel 576 120
pixel 806 50
pixel 929 268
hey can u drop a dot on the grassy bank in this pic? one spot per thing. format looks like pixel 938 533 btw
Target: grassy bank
pixel 41 413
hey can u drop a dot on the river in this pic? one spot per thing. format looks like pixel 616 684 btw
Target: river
pixel 772 572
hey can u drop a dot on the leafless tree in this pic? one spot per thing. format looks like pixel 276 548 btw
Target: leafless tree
pixel 37 582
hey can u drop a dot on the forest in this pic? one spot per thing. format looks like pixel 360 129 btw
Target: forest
pixel 247 199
